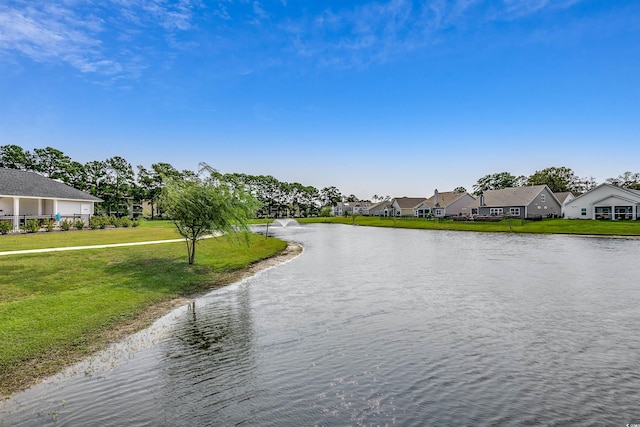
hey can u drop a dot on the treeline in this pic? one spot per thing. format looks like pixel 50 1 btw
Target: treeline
pixel 558 179
pixel 115 181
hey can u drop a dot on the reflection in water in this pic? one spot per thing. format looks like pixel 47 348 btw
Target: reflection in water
pixel 381 327
pixel 208 360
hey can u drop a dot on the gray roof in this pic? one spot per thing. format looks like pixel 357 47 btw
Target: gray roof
pixel 562 196
pixel 513 196
pixel 444 199
pixel 409 202
pixel 14 182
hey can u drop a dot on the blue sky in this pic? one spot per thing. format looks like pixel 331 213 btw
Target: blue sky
pixel 391 97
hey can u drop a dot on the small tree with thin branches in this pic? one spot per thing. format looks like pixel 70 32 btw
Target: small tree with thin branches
pixel 207 204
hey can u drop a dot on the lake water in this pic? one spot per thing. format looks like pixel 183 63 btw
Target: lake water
pixel 381 327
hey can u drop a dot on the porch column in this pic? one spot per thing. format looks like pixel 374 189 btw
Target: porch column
pixel 55 209
pixel 40 203
pixel 613 212
pixel 16 213
pixel 634 211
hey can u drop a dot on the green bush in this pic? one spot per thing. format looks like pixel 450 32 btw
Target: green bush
pixel 98 222
pixel 65 225
pixel 125 222
pixel 326 211
pixel 5 227
pixel 135 223
pixel 32 225
pixel 79 224
pixel 49 224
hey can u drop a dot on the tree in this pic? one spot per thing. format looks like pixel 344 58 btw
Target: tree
pixel 497 181
pixel 76 176
pixel 558 179
pixel 330 196
pixel 14 157
pixel 626 180
pixel 51 162
pixel 585 184
pixel 460 190
pixel 119 185
pixel 95 174
pixel 203 205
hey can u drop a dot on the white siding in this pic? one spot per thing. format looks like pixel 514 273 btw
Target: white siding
pixel 603 195
pixel 69 208
pixel 6 206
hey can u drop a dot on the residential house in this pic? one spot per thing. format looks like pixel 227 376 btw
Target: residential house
pixel 404 206
pixel 25 195
pixel 351 208
pixel 533 201
pixel 565 196
pixel 449 204
pixel 423 210
pixel 378 209
pixel 606 201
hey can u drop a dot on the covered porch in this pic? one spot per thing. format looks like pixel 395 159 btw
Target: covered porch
pixel 615 208
pixel 18 210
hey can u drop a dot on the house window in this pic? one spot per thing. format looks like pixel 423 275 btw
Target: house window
pixel 514 211
pixel 438 212
pixel 542 198
pixel 495 211
pixel 583 211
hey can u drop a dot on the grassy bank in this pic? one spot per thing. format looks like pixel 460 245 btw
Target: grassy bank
pixel 148 230
pixel 555 226
pixel 58 307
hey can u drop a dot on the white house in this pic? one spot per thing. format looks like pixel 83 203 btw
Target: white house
pixel 25 195
pixel 351 208
pixel 606 201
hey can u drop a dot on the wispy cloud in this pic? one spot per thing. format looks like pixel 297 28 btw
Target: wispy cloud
pixel 377 31
pixel 514 9
pixel 119 38
pixel 374 32
pixel 89 36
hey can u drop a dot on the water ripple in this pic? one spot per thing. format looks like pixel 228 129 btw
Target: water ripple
pixel 381 327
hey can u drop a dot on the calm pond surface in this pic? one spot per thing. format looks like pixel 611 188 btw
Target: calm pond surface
pixel 381 327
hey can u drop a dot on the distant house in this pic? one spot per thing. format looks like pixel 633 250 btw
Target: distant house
pixel 520 202
pixel 448 204
pixel 25 195
pixel 378 209
pixel 606 201
pixel 404 206
pixel 351 208
pixel 564 197
pixel 423 210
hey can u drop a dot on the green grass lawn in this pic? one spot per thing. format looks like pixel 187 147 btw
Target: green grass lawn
pixel 55 307
pixel 57 239
pixel 558 226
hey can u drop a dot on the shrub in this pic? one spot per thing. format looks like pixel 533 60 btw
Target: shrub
pixel 65 225
pixel 113 220
pixel 5 227
pixel 32 225
pixel 98 222
pixel 48 224
pixel 79 224
pixel 326 211
pixel 135 223
pixel 125 222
